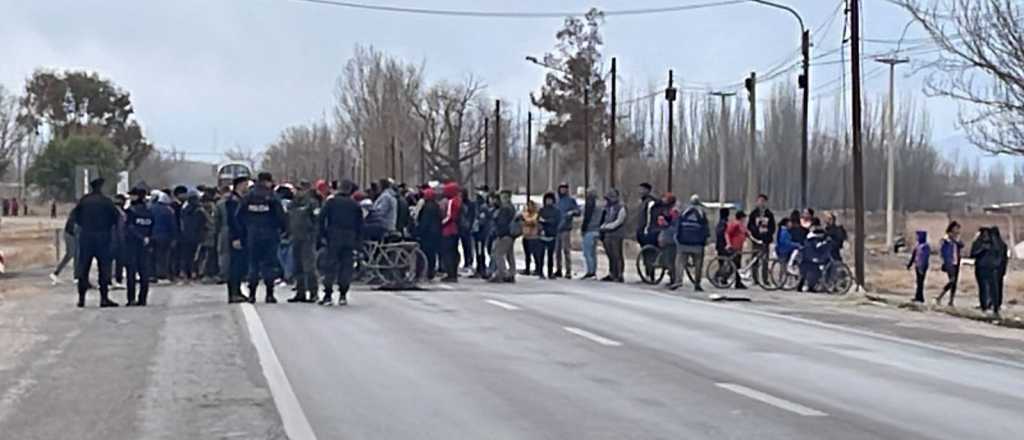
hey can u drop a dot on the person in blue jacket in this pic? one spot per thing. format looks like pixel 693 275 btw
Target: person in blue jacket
pixel 784 244
pixel 165 232
pixel 919 261
pixel 950 249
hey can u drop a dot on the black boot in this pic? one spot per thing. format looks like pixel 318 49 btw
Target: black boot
pixel 106 302
pixel 252 293
pixel 300 297
pixel 81 300
pixel 326 300
pixel 270 294
pixel 343 299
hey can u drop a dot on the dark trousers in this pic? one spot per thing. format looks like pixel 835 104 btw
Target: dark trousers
pixel 616 262
pixel 529 253
pixel 450 256
pixel 953 273
pixel 209 262
pixel 173 260
pixel 92 246
pixel 466 238
pixel 187 251
pixel 919 291
pixel 237 271
pixel 263 261
pixel 161 258
pixel 137 268
pixel 430 248
pixel 545 249
pixel 761 271
pixel 482 250
pixel 341 266
pixel 119 263
pixel 737 259
pixel 990 293
pixel 997 290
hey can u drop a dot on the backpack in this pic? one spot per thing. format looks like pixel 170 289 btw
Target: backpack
pixel 515 229
pixel 690 229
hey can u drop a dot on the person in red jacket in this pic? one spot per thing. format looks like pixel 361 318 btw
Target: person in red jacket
pixel 736 233
pixel 450 232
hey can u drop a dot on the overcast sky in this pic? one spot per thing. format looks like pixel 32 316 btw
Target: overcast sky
pixel 208 74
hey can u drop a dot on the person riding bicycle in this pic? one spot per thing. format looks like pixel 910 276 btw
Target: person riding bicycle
pixel 383 215
pixel 785 247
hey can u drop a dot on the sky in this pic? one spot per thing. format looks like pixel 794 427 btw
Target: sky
pixel 206 75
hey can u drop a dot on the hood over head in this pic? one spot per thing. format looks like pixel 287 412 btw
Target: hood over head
pixel 451 189
pixel 922 236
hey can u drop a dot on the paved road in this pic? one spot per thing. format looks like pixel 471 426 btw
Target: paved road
pixel 559 360
pixel 590 360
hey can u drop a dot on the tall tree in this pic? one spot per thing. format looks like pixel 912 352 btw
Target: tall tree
pixel 452 117
pixel 12 134
pixel 54 169
pixel 74 102
pixel 575 68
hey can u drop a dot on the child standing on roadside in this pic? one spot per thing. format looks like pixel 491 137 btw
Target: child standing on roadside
pixel 919 261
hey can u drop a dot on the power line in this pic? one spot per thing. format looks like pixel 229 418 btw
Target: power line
pixel 518 15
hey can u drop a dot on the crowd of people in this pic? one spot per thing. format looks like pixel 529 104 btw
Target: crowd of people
pixel 13 207
pixel 308 235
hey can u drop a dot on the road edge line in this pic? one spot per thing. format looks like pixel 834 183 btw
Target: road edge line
pixel 296 426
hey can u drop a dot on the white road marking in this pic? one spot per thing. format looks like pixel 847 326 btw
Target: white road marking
pixel 296 426
pixel 444 286
pixel 772 400
pixel 593 337
pixel 503 305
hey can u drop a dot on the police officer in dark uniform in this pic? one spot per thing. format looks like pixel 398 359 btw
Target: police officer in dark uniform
pixel 263 218
pixel 302 229
pixel 135 251
pixel 97 217
pixel 341 221
pixel 238 261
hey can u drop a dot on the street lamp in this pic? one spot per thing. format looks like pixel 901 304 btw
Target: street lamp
pixel 586 117
pixel 805 84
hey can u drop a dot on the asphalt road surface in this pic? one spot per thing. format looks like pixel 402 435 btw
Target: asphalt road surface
pixel 590 360
pixel 534 360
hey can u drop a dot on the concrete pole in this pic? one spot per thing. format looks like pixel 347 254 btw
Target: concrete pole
pixel 890 139
pixel 722 139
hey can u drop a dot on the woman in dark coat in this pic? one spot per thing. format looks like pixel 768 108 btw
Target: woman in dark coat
pixel 428 230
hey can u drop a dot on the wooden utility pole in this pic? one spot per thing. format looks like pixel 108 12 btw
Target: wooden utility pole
pixel 723 136
pixel 394 159
pixel 497 143
pixel 487 154
pixel 612 172
pixel 423 160
pixel 586 135
pixel 858 152
pixel 670 97
pixel 805 83
pixel 751 84
pixel 529 151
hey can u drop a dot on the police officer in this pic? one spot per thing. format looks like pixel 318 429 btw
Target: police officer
pixel 341 220
pixel 302 229
pixel 238 260
pixel 263 219
pixel 97 217
pixel 135 252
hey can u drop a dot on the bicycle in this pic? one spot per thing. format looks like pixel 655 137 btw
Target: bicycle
pixel 722 271
pixel 836 276
pixel 663 262
pixel 392 261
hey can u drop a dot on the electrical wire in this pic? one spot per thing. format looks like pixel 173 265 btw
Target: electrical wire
pixel 518 15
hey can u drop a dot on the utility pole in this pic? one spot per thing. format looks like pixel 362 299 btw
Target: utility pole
pixel 890 139
pixel 497 143
pixel 805 83
pixel 487 154
pixel 586 135
pixel 858 152
pixel 670 96
pixel 612 172
pixel 751 84
pixel 401 165
pixel 529 151
pixel 722 138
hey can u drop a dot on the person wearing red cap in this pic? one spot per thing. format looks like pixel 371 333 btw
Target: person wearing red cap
pixel 450 232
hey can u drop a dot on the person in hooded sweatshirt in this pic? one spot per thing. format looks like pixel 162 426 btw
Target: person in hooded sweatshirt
pixel 613 231
pixel 550 221
pixel 1001 251
pixel 919 261
pixel 450 232
pixel 986 264
pixel 817 250
pixel 165 232
pixel 568 209
pixel 483 231
pixel 428 230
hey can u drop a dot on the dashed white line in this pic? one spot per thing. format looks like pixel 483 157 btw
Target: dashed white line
pixel 503 305
pixel 296 426
pixel 772 400
pixel 593 337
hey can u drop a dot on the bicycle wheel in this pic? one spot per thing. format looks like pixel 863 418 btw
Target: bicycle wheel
pixel 395 265
pixel 766 281
pixel 721 272
pixel 648 267
pixel 419 259
pixel 692 271
pixel 841 279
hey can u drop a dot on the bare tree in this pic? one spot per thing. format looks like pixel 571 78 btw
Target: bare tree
pixel 12 134
pixel 981 65
pixel 452 130
pixel 242 154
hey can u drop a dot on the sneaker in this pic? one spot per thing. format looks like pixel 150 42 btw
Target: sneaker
pixel 55 280
pixel 608 279
pixel 116 286
pixel 557 274
pixel 588 276
pixel 698 288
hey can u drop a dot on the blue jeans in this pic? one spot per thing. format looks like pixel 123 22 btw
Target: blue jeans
pixel 590 251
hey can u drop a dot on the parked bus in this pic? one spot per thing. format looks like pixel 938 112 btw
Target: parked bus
pixel 228 172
